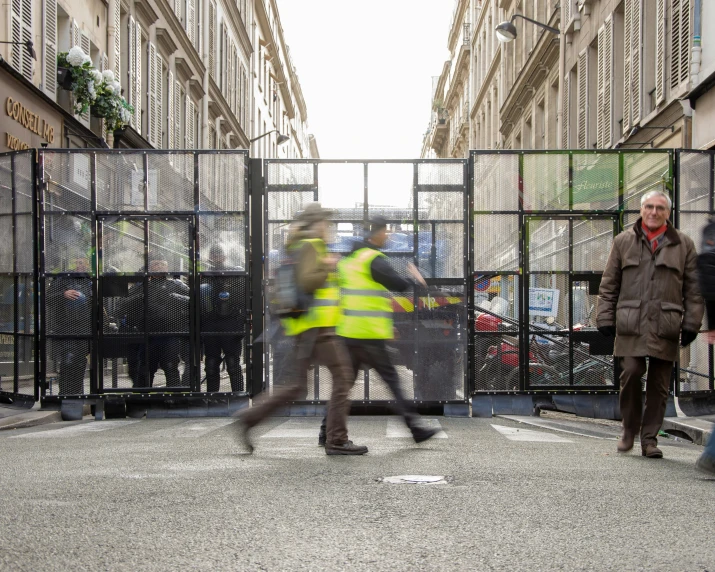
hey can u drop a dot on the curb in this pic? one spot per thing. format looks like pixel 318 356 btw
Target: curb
pixel 29 419
pixel 697 430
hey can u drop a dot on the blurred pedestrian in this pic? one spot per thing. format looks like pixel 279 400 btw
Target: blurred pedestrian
pixel 314 334
pixel 649 299
pixel 366 279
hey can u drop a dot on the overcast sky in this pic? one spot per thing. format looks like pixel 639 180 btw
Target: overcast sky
pixel 366 67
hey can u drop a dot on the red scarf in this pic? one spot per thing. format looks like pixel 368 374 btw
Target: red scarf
pixel 653 235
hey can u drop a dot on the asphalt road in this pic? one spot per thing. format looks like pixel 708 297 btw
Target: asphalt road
pixel 170 494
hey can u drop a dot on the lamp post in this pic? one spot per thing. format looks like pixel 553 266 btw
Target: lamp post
pixel 506 31
pixel 280 139
pixel 28 47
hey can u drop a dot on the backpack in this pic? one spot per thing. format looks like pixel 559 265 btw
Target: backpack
pixel 706 261
pixel 288 299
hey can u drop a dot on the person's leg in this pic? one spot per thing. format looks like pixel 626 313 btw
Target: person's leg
pixel 330 350
pixel 297 381
pixel 355 361
pixel 232 351
pixel 73 363
pixel 169 359
pixel 656 397
pixel 632 370
pixel 212 364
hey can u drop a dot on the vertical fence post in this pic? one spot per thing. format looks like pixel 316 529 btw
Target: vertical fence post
pixel 257 191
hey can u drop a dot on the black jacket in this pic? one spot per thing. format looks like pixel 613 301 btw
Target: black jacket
pixel 167 307
pixel 69 317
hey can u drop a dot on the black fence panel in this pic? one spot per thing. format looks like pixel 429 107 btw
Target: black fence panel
pixel 18 310
pixel 144 271
pixel 425 204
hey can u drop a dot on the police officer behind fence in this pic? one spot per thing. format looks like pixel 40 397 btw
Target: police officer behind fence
pixel 69 300
pixel 167 308
pixel 314 334
pixel 649 299
pixel 222 310
pixel 365 278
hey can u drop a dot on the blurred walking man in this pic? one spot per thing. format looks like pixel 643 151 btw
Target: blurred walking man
pixel 366 279
pixel 314 333
pixel 649 299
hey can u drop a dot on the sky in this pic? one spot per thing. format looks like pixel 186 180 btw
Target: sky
pixel 365 68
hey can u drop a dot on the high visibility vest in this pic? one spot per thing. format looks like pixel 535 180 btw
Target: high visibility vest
pixel 365 304
pixel 324 310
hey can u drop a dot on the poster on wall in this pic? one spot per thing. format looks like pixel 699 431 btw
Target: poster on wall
pixel 543 302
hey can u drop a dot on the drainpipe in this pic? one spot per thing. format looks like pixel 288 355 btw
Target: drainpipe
pixel 205 102
pixel 697 49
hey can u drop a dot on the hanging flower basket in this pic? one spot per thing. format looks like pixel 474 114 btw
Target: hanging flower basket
pixel 64 78
pixel 98 92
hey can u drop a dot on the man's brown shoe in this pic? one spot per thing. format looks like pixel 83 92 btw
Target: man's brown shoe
pixel 652 452
pixel 625 443
pixel 347 448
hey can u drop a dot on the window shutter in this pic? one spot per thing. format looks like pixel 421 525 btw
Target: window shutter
pixel 636 62
pixel 177 8
pixel 85 45
pixel 189 128
pixel 137 71
pixel 49 48
pixel 234 55
pixel 582 99
pixel 105 66
pixel 212 39
pixel 568 11
pixel 659 52
pixel 565 100
pixel 22 32
pixel 159 95
pixel 212 136
pixel 178 113
pixel 117 39
pixel 190 21
pixel 153 118
pixel 131 68
pixel 170 139
pixel 605 85
pixel 627 34
pixel 680 42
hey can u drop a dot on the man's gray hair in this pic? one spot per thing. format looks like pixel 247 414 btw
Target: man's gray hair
pixel 650 194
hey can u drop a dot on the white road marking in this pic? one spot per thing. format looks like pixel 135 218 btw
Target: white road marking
pixel 299 428
pixel 396 428
pixel 515 434
pixel 192 428
pixel 74 430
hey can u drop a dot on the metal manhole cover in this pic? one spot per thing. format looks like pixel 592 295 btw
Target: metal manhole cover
pixel 416 480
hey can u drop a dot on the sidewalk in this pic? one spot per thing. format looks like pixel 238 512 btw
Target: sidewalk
pixel 20 417
pixel 698 429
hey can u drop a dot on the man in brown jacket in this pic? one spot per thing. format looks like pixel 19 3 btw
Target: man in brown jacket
pixel 649 299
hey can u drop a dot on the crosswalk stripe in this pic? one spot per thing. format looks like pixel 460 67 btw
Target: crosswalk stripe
pixel 191 428
pixel 74 430
pixel 515 434
pixel 305 428
pixel 396 428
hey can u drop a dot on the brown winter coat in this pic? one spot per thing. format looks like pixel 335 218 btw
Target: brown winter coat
pixel 650 297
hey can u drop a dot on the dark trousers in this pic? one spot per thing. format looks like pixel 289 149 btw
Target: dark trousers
pixel 72 362
pixel 649 420
pixel 230 345
pixel 319 346
pixel 373 354
pixel 164 353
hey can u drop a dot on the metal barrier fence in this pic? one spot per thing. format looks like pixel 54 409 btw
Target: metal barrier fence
pixel 543 225
pixel 425 204
pixel 18 303
pixel 143 271
pixel 130 271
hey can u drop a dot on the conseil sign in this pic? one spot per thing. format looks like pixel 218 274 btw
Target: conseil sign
pixel 26 121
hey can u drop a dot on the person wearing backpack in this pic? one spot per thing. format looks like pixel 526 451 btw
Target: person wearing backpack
pixel 313 330
pixel 706 273
pixel 366 279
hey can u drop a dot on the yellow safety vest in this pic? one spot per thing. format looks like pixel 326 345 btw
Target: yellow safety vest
pixel 365 304
pixel 324 310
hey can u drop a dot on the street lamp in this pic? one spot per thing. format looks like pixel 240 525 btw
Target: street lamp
pixel 28 47
pixel 506 31
pixel 280 139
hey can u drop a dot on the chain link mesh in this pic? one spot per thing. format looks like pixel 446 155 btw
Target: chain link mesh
pixel 595 181
pixel 546 182
pixel 496 182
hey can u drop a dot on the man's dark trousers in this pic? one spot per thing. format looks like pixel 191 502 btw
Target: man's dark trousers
pixel 635 418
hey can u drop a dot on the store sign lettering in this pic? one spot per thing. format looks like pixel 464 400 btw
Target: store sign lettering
pixel 14 144
pixel 29 120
